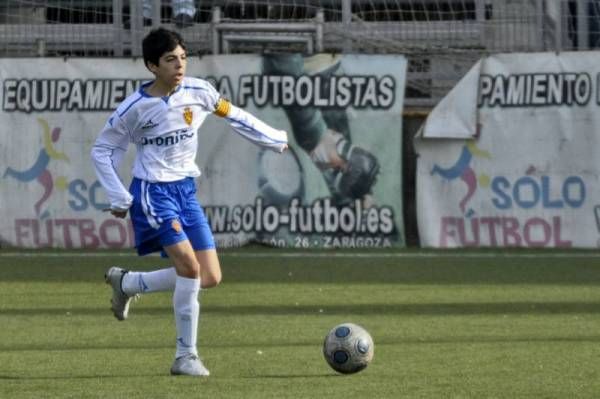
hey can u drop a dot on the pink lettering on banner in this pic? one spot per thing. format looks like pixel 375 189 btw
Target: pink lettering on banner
pixel 112 233
pixel 73 233
pixel 87 231
pixel 510 230
pixel 66 226
pixel 502 232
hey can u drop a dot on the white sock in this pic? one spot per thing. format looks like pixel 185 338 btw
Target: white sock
pixel 144 282
pixel 187 311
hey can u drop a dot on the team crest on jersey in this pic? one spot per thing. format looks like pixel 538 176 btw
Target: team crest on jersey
pixel 176 225
pixel 188 115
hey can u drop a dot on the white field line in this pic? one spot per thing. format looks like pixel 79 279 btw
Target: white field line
pixel 406 255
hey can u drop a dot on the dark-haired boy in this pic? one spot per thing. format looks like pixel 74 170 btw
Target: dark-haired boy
pixel 162 120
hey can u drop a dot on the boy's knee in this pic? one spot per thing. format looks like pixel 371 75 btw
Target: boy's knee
pixel 189 268
pixel 211 280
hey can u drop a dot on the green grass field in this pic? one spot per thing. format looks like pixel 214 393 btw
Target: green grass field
pixel 445 325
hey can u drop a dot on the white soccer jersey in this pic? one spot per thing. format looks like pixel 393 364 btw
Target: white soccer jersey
pixel 164 130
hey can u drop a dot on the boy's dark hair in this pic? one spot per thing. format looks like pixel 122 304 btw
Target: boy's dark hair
pixel 158 42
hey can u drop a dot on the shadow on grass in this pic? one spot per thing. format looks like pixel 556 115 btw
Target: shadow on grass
pixel 508 339
pixel 78 377
pixel 315 343
pixel 137 375
pixel 288 376
pixel 371 309
pixel 46 347
pixel 438 270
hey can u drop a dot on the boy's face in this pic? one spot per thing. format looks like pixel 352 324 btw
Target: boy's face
pixel 171 67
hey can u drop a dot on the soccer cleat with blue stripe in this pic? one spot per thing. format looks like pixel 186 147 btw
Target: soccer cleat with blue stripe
pixel 189 365
pixel 119 303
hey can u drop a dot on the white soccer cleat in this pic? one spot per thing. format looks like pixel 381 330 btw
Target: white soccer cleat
pixel 189 365
pixel 120 300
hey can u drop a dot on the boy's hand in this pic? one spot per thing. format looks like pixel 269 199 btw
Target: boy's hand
pixel 119 213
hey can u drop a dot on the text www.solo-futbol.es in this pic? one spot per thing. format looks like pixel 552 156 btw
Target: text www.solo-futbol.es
pixel 320 224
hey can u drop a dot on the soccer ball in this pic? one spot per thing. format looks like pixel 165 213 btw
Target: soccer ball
pixel 348 348
pixel 280 177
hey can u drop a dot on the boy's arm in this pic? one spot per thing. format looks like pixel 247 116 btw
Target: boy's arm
pixel 107 153
pixel 251 127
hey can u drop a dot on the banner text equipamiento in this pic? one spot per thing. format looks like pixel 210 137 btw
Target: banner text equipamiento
pixel 37 95
pixel 535 89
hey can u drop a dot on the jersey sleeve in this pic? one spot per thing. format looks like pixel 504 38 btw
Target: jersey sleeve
pixel 250 127
pixel 244 123
pixel 204 93
pixel 107 153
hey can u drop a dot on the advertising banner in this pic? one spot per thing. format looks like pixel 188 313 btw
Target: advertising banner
pixel 347 196
pixel 517 164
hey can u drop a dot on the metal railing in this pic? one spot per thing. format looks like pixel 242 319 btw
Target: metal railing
pixel 441 38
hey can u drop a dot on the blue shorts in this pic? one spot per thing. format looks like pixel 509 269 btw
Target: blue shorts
pixel 164 214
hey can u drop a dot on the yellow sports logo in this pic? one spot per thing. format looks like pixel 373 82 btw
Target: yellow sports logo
pixel 223 107
pixel 188 115
pixel 176 225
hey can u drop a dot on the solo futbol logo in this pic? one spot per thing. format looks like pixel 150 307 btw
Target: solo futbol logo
pixel 462 169
pixel 39 170
pixel 527 210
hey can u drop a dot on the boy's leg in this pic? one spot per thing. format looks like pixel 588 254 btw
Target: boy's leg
pixel 146 282
pixel 127 285
pixel 119 302
pixel 203 242
pixel 210 268
pixel 186 308
pixel 144 217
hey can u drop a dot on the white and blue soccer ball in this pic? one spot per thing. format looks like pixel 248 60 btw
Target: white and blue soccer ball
pixel 348 348
pixel 280 177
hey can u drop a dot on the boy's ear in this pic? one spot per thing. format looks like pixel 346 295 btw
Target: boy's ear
pixel 151 67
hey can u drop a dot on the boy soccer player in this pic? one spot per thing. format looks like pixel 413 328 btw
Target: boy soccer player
pixel 162 119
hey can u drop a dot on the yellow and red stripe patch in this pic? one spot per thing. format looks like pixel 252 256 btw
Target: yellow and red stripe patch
pixel 223 107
